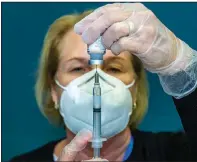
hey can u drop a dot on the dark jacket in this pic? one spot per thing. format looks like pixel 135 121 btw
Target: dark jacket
pixel 149 146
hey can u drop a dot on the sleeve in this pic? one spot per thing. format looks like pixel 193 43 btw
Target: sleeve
pixel 43 153
pixel 180 78
pixel 187 109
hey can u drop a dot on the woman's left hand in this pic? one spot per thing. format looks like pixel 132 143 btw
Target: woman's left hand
pixel 134 28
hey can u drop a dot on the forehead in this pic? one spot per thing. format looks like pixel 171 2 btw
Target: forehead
pixel 72 46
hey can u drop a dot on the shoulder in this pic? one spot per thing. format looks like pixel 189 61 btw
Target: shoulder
pixel 167 135
pixel 174 145
pixel 43 153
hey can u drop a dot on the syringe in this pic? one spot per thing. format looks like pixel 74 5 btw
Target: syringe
pixel 97 142
pixel 96 52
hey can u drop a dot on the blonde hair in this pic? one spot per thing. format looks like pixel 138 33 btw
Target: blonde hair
pixel 48 66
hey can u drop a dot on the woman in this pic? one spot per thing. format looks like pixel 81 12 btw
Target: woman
pixel 65 80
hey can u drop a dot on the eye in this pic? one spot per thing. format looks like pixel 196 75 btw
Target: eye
pixel 78 70
pixel 114 70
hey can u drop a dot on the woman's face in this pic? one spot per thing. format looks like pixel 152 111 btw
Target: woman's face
pixel 74 63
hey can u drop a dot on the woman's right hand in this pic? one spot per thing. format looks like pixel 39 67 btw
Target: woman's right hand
pixel 80 141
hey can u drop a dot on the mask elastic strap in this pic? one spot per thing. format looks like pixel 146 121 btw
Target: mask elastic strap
pixel 130 85
pixel 57 82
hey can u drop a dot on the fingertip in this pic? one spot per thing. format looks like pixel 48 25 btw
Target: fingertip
pixel 85 134
pixel 105 41
pixel 77 29
pixel 88 38
pixel 115 49
pixel 115 53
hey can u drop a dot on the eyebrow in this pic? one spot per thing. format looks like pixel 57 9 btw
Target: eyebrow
pixel 81 59
pixel 115 58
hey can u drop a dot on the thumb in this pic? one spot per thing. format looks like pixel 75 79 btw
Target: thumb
pixel 77 144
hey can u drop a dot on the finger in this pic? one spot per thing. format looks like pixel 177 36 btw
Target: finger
pixel 82 25
pixel 125 44
pixel 115 32
pixel 101 24
pixel 134 6
pixel 77 144
pixel 85 22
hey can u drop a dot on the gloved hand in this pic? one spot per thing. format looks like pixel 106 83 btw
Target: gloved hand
pixel 80 141
pixel 134 28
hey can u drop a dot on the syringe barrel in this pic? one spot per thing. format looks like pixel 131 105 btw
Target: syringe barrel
pixel 97 97
pixel 97 122
pixel 97 142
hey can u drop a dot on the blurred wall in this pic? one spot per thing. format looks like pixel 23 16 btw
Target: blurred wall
pixel 23 28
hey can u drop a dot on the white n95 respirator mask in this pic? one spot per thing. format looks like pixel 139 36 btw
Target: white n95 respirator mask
pixel 76 103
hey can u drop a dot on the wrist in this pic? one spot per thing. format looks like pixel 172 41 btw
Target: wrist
pixel 181 61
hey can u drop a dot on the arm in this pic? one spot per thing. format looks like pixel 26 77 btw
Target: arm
pixel 180 81
pixel 187 109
